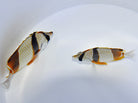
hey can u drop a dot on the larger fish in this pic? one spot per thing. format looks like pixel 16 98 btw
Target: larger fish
pixel 26 53
pixel 102 55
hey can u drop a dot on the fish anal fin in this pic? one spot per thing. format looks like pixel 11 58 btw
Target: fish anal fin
pixel 34 57
pixel 99 63
pixel 119 58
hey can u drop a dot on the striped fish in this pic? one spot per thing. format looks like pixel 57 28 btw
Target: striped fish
pixel 26 53
pixel 101 55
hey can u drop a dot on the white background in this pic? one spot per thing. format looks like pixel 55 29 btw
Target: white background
pixel 60 79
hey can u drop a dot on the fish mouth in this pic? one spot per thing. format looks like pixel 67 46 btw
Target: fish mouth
pixel 74 56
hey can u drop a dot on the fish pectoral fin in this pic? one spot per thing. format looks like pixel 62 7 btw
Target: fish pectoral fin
pixel 99 63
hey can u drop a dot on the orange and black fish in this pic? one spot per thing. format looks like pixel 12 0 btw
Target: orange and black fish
pixel 102 55
pixel 26 53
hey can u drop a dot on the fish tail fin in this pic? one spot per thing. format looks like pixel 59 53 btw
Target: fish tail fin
pixel 6 83
pixel 130 54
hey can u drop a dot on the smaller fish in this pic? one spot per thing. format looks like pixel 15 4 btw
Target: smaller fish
pixel 102 55
pixel 26 53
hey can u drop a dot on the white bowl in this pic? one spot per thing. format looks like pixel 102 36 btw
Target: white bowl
pixel 54 77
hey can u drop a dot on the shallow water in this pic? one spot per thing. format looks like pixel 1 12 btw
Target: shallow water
pixel 55 78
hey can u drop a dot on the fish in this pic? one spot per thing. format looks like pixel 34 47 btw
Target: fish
pixel 101 55
pixel 26 53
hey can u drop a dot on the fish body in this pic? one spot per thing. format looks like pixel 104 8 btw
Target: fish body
pixel 26 53
pixel 100 55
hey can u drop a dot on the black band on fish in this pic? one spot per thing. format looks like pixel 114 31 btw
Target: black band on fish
pixel 35 44
pixel 95 55
pixel 46 36
pixel 81 56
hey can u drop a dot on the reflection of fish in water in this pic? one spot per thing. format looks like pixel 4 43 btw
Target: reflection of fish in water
pixel 102 55
pixel 26 53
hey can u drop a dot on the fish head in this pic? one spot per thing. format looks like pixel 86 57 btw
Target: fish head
pixel 76 57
